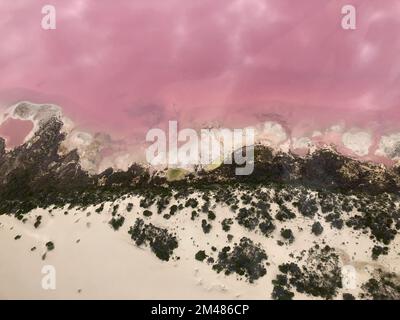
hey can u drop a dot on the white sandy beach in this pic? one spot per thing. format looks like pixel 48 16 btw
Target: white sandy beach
pixel 92 261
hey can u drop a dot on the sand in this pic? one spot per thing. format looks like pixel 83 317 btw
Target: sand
pixel 92 261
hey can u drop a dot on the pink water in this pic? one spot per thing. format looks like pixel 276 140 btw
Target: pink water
pixel 15 131
pixel 128 66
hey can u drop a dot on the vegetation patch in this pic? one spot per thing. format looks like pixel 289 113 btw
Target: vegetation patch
pixel 383 286
pixel 117 222
pixel 161 242
pixel 319 276
pixel 245 259
pixel 50 246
